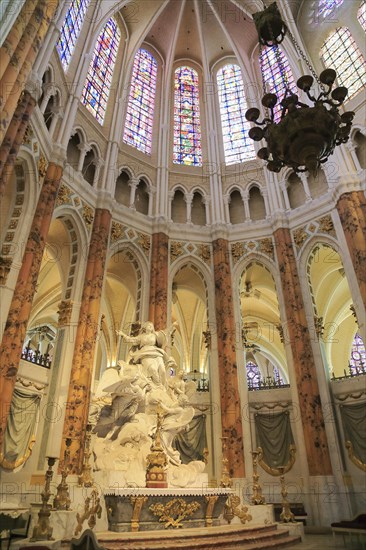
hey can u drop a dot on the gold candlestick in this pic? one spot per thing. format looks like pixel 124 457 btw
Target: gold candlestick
pixel 257 497
pixel 226 480
pixel 62 499
pixel 286 514
pixel 156 474
pixel 43 529
pixel 85 478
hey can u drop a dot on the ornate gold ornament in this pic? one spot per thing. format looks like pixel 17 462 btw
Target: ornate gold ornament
pixel 326 224
pixel 277 471
pixel 237 251
pixel 156 475
pixel 88 214
pixel 64 313
pixel 257 497
pixel 5 265
pixel 92 510
pixel 176 250
pixel 226 480
pixel 356 461
pixel 62 499
pixel 319 327
pixel 138 503
pixel 144 242
pixel 28 135
pixel 43 529
pixel 286 514
pixel 266 246
pixel 279 327
pixel 233 507
pixel 85 479
pixel 63 195
pixel 204 252
pixel 211 501
pixel 174 511
pixel 207 338
pixel 300 236
pixel 117 231
pixel 42 165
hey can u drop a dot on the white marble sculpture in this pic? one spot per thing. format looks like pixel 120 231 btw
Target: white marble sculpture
pixel 124 413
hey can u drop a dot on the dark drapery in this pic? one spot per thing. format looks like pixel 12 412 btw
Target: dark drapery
pixel 354 427
pixel 274 435
pixel 193 440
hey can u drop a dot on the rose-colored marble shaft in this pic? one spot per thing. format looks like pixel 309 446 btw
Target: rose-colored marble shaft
pixel 158 309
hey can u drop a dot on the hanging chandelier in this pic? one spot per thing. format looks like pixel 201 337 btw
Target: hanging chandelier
pixel 298 135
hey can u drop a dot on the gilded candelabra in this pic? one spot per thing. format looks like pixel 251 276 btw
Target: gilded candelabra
pixel 62 499
pixel 156 475
pixel 286 514
pixel 257 497
pixel 43 529
pixel 85 479
pixel 226 480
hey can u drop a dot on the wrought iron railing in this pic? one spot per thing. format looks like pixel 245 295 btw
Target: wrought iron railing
pixel 36 357
pixel 352 372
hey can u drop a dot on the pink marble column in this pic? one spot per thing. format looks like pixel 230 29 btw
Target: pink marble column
pixel 14 138
pixel 228 369
pixel 352 212
pixel 158 309
pixel 311 412
pixel 21 305
pixel 20 65
pixel 78 400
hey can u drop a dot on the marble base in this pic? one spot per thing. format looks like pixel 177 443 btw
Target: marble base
pixel 294 529
pixel 261 513
pixel 54 544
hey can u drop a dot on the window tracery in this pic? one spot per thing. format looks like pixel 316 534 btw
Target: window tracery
pixel 99 78
pixel 70 31
pixel 238 147
pixel 274 64
pixel 140 107
pixel 187 124
pixel 340 52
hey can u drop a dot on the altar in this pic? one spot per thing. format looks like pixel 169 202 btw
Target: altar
pixel 154 509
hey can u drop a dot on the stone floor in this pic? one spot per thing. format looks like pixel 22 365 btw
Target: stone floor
pixel 327 542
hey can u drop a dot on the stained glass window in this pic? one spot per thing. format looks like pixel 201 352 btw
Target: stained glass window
pixel 140 107
pixel 327 7
pixel 187 125
pixel 357 361
pixel 361 15
pixel 253 375
pixel 274 62
pixel 341 53
pixel 238 146
pixel 70 30
pixel 99 79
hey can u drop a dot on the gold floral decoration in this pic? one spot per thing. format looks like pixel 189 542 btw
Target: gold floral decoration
pixel 326 224
pixel 176 250
pixel 117 231
pixel 237 251
pixel 144 242
pixel 266 246
pixel 204 252
pixel 174 512
pixel 42 165
pixel 88 214
pixel 64 195
pixel 300 236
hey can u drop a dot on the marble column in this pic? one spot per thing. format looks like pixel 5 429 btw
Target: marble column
pixel 158 309
pixel 352 212
pixel 311 412
pixel 21 62
pixel 14 138
pixel 226 344
pixel 78 400
pixel 21 304
pixel 11 42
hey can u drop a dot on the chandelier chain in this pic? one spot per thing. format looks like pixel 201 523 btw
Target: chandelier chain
pixel 299 50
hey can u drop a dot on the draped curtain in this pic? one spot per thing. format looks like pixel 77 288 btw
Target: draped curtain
pixel 193 440
pixel 354 427
pixel 274 435
pixel 20 429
